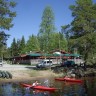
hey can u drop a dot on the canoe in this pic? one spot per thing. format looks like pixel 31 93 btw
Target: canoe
pixel 10 75
pixel 43 88
pixel 70 80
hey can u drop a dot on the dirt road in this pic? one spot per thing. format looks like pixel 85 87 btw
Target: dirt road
pixel 15 67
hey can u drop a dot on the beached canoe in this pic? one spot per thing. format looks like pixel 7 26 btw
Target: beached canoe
pixel 70 80
pixel 39 87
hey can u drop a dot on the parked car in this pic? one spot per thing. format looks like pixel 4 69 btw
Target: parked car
pixel 68 63
pixel 44 63
pixel 1 62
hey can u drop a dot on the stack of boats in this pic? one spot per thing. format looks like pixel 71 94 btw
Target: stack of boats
pixel 5 74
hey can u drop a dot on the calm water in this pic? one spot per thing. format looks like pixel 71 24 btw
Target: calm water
pixel 64 88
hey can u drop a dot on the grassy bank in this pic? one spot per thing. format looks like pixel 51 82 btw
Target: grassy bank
pixel 25 75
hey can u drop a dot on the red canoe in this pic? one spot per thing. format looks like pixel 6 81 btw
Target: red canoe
pixel 69 80
pixel 43 88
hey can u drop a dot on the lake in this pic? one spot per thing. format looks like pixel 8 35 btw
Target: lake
pixel 87 88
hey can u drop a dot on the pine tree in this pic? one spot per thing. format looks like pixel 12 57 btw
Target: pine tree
pixel 14 48
pixel 6 17
pixel 46 28
pixel 84 13
pixel 22 45
pixel 32 44
pixel 83 27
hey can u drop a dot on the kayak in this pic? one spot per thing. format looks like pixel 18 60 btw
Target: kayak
pixel 43 88
pixel 69 80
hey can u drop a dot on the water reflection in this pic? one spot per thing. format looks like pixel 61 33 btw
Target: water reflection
pixel 64 88
pixel 90 86
pixel 71 89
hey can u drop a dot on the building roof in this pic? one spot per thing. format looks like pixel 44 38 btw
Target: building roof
pixel 34 54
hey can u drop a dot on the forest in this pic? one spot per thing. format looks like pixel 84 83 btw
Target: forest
pixel 77 37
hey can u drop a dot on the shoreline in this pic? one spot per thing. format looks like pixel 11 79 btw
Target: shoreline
pixel 22 73
pixel 27 75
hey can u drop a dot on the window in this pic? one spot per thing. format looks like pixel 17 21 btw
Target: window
pixel 49 61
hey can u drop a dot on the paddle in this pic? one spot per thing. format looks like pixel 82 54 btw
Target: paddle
pixel 29 87
pixel 45 81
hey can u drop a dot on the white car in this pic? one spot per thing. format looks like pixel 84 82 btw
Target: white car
pixel 44 63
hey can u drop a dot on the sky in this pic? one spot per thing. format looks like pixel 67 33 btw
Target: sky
pixel 29 14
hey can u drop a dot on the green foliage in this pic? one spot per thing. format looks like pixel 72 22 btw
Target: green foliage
pixel 65 30
pixel 3 38
pixel 57 41
pixel 3 50
pixel 83 28
pixel 6 17
pixel 18 47
pixel 22 45
pixel 47 39
pixel 46 28
pixel 7 53
pixel 32 44
pixel 84 13
pixel 14 48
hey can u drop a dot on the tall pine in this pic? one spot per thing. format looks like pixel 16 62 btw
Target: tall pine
pixel 14 48
pixel 6 18
pixel 83 28
pixel 22 45
pixel 47 27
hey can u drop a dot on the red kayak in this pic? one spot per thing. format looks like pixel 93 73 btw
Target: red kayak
pixel 69 80
pixel 43 88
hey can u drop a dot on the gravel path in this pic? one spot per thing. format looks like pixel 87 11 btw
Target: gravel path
pixel 15 67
